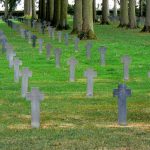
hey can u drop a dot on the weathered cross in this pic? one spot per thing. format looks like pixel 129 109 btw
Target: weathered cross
pixel 57 57
pixel 33 37
pixel 76 44
pixel 11 56
pixel 25 77
pixel 66 39
pixel 59 36
pixel 126 60
pixel 122 93
pixel 17 63
pixel 88 50
pixel 40 45
pixel 72 62
pixel 102 51
pixel 90 74
pixel 35 97
pixel 48 51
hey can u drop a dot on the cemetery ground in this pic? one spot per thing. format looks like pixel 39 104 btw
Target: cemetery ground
pixel 70 120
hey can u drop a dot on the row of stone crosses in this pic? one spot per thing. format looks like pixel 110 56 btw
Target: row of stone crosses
pixel 36 96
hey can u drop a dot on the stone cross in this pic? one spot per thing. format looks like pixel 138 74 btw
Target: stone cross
pixel 17 63
pixel 49 30
pixel 11 56
pixel 102 51
pixel 22 33
pixel 29 37
pixel 34 38
pixel 53 34
pixel 90 74
pixel 4 42
pixel 66 39
pixel 122 93
pixel 26 73
pixel 35 97
pixel 40 45
pixel 48 51
pixel 126 60
pixel 26 34
pixel 72 62
pixel 59 36
pixel 88 50
pixel 76 44
pixel 57 57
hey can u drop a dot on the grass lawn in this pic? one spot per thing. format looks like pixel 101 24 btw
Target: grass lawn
pixel 70 120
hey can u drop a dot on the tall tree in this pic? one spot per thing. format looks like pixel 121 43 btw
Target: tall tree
pixel 105 10
pixel 33 10
pixel 50 10
pixel 132 14
pixel 87 26
pixel 147 20
pixel 124 19
pixel 63 15
pixel 28 7
pixel 94 11
pixel 6 8
pixel 57 9
pixel 77 19
pixel 42 10
pixel 115 14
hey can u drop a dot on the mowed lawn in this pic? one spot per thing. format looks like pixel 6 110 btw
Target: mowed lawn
pixel 70 120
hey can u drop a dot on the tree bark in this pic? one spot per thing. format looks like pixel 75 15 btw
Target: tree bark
pixel 77 19
pixel 57 9
pixel 33 10
pixel 115 14
pixel 94 11
pixel 42 10
pixel 105 10
pixel 124 19
pixel 147 20
pixel 87 26
pixel 6 9
pixel 132 14
pixel 63 15
pixel 28 7
pixel 51 7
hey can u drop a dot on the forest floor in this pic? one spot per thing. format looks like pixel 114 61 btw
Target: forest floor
pixel 70 120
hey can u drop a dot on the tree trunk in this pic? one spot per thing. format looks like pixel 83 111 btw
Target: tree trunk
pixel 147 21
pixel 140 8
pixel 94 11
pixel 132 14
pixel 42 10
pixel 124 19
pixel 105 11
pixel 57 9
pixel 33 10
pixel 28 7
pixel 51 7
pixel 77 19
pixel 63 15
pixel 6 9
pixel 87 26
pixel 115 14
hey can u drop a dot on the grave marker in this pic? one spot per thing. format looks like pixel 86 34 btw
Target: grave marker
pixel 90 74
pixel 59 36
pixel 72 62
pixel 34 38
pixel 40 45
pixel 126 60
pixel 57 57
pixel 88 50
pixel 102 51
pixel 26 73
pixel 76 44
pixel 48 51
pixel 122 93
pixel 35 97
pixel 17 63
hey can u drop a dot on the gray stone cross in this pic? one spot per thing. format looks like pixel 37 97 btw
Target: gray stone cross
pixel 17 63
pixel 49 30
pixel 90 74
pixel 66 37
pixel 102 51
pixel 35 97
pixel 11 56
pixel 40 45
pixel 126 60
pixel 34 38
pixel 59 36
pixel 57 57
pixel 122 93
pixel 76 46
pixel 88 50
pixel 25 77
pixel 48 51
pixel 72 62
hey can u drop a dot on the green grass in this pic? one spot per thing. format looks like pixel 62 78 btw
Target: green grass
pixel 69 120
